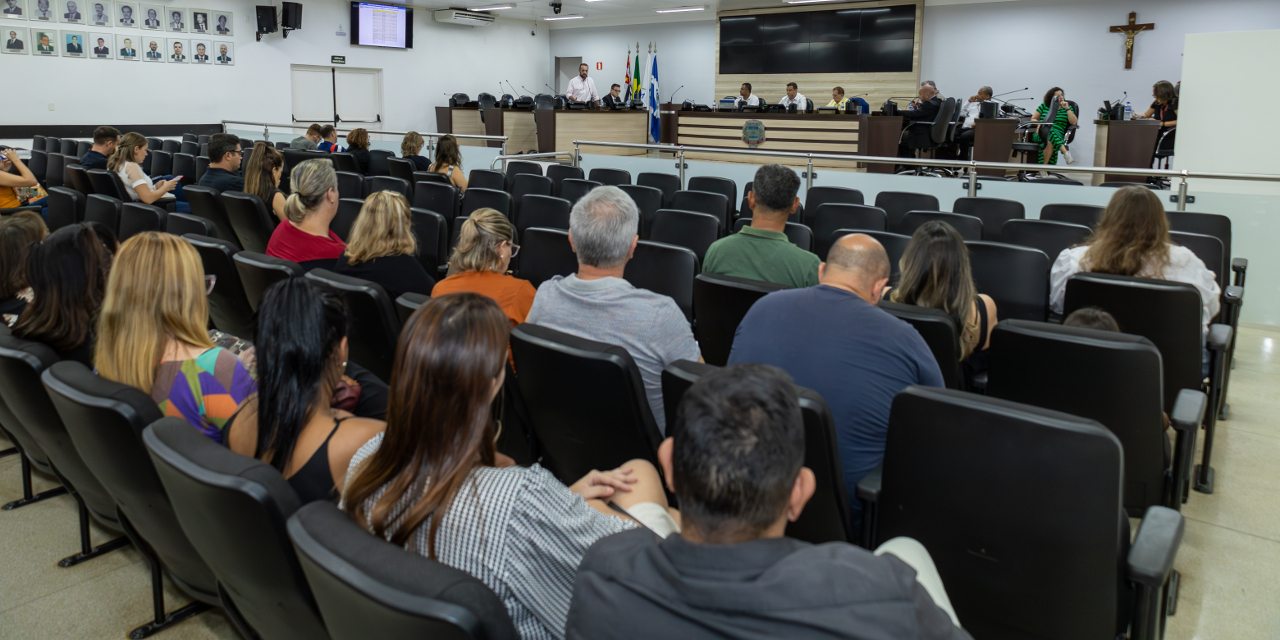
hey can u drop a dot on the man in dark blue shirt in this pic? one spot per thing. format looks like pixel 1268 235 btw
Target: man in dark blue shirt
pixel 833 339
pixel 105 140
pixel 224 161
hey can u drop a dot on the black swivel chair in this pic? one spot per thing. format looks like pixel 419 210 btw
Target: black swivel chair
pixel 559 172
pixel 104 210
pixel 374 184
pixel 667 183
pixel 378 163
pixel 479 198
pixel 586 402
pixel 544 254
pixel 137 217
pixel 233 508
pixel 939 332
pixel 486 179
pixel 830 217
pixel 250 219
pixel 440 198
pixel 1048 236
pixel 937 129
pixel 665 269
pixel 969 227
pixel 54 171
pixel 1016 278
pixel 350 185
pixel 370 588
pixel 542 211
pixel 375 327
pixel 722 186
pixel 105 420
pixel 648 200
pixel 817 196
pixel 180 224
pixel 988 485
pixel 229 306
pixel 572 189
pixel 432 235
pixel 259 271
pixel 206 204
pixel 719 304
pixel 518 167
pixel 715 204
pixel 345 219
pixel 993 212
pixel 896 204
pixel 66 207
pixel 611 177
pixel 690 229
pixel 526 184
pixel 1083 214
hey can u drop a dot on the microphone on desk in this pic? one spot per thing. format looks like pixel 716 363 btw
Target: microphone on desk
pixel 1009 92
pixel 673 94
pixel 553 91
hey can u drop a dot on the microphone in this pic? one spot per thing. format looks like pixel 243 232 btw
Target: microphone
pixel 553 91
pixel 1009 92
pixel 526 89
pixel 673 94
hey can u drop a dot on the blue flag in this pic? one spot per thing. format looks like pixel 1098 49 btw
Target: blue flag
pixel 653 99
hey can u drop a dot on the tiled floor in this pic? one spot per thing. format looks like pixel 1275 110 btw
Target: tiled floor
pixel 1230 556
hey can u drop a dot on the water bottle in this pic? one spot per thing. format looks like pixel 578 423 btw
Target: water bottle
pixel 1128 111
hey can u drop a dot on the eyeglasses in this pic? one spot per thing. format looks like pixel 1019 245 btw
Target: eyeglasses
pixel 209 281
pixel 515 248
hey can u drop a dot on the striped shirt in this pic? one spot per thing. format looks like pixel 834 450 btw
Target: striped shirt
pixel 520 531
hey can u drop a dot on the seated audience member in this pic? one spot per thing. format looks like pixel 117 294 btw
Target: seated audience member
pixel 17 233
pixel 449 162
pixel 304 237
pixel 762 251
pixel 1092 318
pixel 736 464
pixel 936 275
pixel 262 177
pixel 358 147
pixel 10 183
pixel 479 264
pixel 598 304
pixel 290 423
pixel 382 247
pixel 308 141
pixel 1132 239
pixel 105 140
pixel 127 161
pixel 67 272
pixel 410 147
pixel 432 483
pixel 328 139
pixel 835 340
pixel 153 334
pixel 1055 137
pixel 224 163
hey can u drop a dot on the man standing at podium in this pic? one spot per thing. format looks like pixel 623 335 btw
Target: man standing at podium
pixel 582 88
pixel 794 97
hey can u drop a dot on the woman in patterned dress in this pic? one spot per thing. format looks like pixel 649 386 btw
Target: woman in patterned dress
pixel 1057 137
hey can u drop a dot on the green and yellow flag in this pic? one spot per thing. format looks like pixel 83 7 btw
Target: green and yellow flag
pixel 635 77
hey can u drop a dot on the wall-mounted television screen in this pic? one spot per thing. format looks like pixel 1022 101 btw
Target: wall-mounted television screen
pixel 381 25
pixel 834 41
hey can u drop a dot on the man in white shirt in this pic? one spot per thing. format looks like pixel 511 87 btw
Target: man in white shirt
pixel 969 112
pixel 745 98
pixel 582 88
pixel 794 97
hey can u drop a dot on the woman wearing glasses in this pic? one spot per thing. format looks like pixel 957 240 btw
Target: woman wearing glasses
pixel 479 264
pixel 382 247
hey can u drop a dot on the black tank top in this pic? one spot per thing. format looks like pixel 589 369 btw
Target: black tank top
pixel 314 480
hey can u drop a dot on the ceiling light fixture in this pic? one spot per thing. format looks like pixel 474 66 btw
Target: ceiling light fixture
pixel 551 18
pixel 591 0
pixel 496 7
pixel 680 9
pixel 812 1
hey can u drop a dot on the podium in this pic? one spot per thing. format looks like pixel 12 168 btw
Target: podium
pixel 1124 143
pixel 993 142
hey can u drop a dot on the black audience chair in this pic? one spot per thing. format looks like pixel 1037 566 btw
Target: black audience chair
pixel 105 420
pixel 180 224
pixel 403 169
pixel 895 244
pixel 202 165
pixel 542 211
pixel 440 198
pixel 527 184
pixel 1210 224
pixel 519 167
pixel 350 185
pixel 30 455
pixel 896 204
pixel 715 204
pixel 665 269
pixel 52 145
pixel 558 173
pixel 155 144
pixel 956 464
pixel 344 162
pixel 66 207
pixel 82 147
pixel 544 254
pixel 137 217
pixel 407 303
pixel 1016 278
pixel 69 148
pixel 184 164
pixel 233 508
pixel 78 177
pixel 204 139
pixel 38 163
pixel 206 204
pixel 970 227
pixel 161 164
pixel 486 179
pixel 375 328
pixel 1210 251
pixel 104 210
pixel 259 271
pixel 719 304
pixel 799 235
pixel 37 143
pixel 54 171
pixel 369 588
pixel 478 198
pixel 572 189
pixel 229 307
pixel 667 183
pixel 102 182
pixel 817 196
pixel 345 219
pixel 939 332
pixel 250 219
pixel 586 402
pixel 830 217
pixel 379 163
pixel 1046 235
pixel 993 212
pixel 376 183
pixel 431 233
pixel 690 229
pixel 172 146
pixel 648 200
pixel 1085 214
pixel 612 177
pixel 190 147
pixel 722 186
pixel 430 176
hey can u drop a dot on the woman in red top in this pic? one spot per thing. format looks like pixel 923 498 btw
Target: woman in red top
pixel 479 264
pixel 304 237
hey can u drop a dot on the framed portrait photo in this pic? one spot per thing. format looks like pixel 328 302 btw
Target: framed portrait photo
pixel 200 51
pixel 41 11
pixel 223 23
pixel 15 40
pixel 153 49
pixel 73 44
pixel 224 53
pixel 178 51
pixel 200 21
pixel 14 10
pixel 70 11
pixel 99 13
pixel 46 42
pixel 175 20
pixel 100 45
pixel 126 15
pixel 150 16
pixel 127 45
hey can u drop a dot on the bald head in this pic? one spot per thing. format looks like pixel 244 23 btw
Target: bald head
pixel 857 261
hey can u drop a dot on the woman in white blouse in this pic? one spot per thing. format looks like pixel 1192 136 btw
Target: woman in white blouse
pixel 434 484
pixel 127 161
pixel 1132 239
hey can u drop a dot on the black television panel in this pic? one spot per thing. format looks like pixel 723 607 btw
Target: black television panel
pixel 881 39
pixel 889 23
pixel 747 58
pixel 835 26
pixel 885 55
pixel 739 31
pixel 784 28
pixel 833 57
pixel 786 58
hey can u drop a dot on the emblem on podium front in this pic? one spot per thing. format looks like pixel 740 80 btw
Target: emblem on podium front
pixel 753 133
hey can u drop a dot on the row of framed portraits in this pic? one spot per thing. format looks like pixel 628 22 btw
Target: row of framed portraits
pixel 51 43
pixel 127 15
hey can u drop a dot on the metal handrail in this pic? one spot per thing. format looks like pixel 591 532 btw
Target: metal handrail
pixel 526 156
pixel 430 136
pixel 972 165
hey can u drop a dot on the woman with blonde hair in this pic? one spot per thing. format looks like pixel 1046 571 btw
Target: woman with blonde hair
pixel 262 177
pixel 127 161
pixel 152 334
pixel 449 162
pixel 304 237
pixel 411 147
pixel 358 147
pixel 382 247
pixel 1132 239
pixel 479 263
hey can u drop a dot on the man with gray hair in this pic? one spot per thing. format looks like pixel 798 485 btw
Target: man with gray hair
pixel 762 250
pixel 834 339
pixel 924 109
pixel 598 304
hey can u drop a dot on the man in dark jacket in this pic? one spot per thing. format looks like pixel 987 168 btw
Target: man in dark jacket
pixel 925 110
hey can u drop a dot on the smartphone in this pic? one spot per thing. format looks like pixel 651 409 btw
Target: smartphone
pixel 177 178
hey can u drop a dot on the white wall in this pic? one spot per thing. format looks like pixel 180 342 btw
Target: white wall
pixel 445 59
pixel 686 54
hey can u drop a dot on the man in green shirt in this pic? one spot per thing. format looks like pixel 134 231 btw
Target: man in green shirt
pixel 762 251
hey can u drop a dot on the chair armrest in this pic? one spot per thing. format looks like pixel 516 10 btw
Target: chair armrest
pixel 1188 410
pixel 1151 556
pixel 868 489
pixel 1239 265
pixel 1233 296
pixel 1219 337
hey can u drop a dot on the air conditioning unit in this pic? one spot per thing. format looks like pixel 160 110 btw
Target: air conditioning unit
pixel 464 18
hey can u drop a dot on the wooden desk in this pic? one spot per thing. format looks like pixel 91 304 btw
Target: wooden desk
pixel 558 128
pixel 516 124
pixel 792 132
pixel 1124 143
pixel 993 142
pixel 883 134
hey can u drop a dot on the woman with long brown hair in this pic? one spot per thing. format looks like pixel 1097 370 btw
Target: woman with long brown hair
pixel 429 483
pixel 262 178
pixel 1132 239
pixel 449 162
pixel 127 162
pixel 67 272
pixel 18 232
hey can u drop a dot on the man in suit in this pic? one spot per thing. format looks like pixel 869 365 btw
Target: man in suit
pixel 153 54
pixel 614 97
pixel 177 53
pixel 222 24
pixel 14 44
pixel 175 21
pixel 201 56
pixel 74 45
pixel 222 54
pixel 200 22
pixel 926 110
pixel 128 51
pixel 44 46
pixel 101 50
pixel 72 13
pixel 13 9
pixel 42 10
pixel 126 16
pixel 152 21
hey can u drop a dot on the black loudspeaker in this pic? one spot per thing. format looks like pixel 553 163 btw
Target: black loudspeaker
pixel 266 19
pixel 292 15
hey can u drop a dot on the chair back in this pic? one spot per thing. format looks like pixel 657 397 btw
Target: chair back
pixel 665 269
pixel 105 420
pixel 100 182
pixel 896 204
pixel 586 401
pixel 559 172
pixel 969 227
pixel 815 197
pixel 612 177
pixel 202 165
pixel 401 168
pixel 229 306
pixel 82 147
pixel 38 163
pixel 54 170
pixel 374 325
pixel 830 217
pixel 204 139
pixel 1046 235
pixel 548 212
pixel 171 146
pixel 715 204
pixel 344 162
pixel 345 219
pixel 205 203
pixel 376 183
pixel 486 179
pixel 155 144
pixel 993 212
pixel 180 224
pixel 1016 278
pixel 430 176
pixel 184 164
pixel 479 198
pixel 572 189
pixel 895 244
pixel 939 332
pixel 941 124
pixel 190 147
pixel 104 210
pixel 37 143
pixel 667 183
pixel 1209 250
pixel 407 303
pixel 544 254
pixel 525 184
pixel 69 148
pixel 518 167
pixel 66 207
pixel 161 163
pixel 258 272
pixel 379 163
pixel 1083 214
pixel 440 198
pixel 722 186
pixel 648 200
pixel 1209 224
pixel 432 235
pixel 690 229
pixel 77 175
pixel 136 217
pixel 234 509
pixel 720 303
pixel 350 185
pixel 252 223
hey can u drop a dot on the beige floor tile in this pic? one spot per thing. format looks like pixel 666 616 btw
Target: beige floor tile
pixel 1229 587
pixel 1246 493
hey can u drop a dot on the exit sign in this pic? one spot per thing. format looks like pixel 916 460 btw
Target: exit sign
pixel 338 59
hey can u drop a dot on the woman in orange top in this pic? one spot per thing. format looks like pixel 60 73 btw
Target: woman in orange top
pixel 479 263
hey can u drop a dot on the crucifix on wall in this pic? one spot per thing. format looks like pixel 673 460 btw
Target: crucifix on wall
pixel 1130 31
